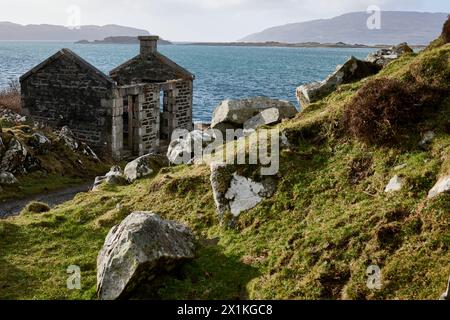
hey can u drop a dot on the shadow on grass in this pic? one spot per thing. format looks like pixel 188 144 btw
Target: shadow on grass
pixel 212 275
pixel 15 283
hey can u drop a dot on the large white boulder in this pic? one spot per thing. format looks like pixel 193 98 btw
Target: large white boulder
pixel 443 185
pixel 138 249
pixel 145 166
pixel 232 114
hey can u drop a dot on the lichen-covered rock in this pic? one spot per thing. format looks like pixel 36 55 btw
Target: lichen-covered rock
pixel 383 57
pixel 140 248
pixel 395 184
pixel 235 193
pixel 67 137
pixel 184 149
pixel 232 114
pixel 39 142
pixel 14 157
pixel 443 185
pixel 114 177
pixel 145 166
pixel 7 178
pixel 352 70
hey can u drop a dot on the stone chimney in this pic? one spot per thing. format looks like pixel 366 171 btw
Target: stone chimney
pixel 149 45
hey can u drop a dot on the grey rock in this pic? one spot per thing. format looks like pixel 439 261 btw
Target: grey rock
pixel 138 249
pixel 7 178
pixel 232 114
pixel 14 158
pixel 185 149
pixel 395 184
pixel 352 70
pixel 265 117
pixel 114 177
pixel 145 166
pixel 427 138
pixel 67 137
pixel 443 185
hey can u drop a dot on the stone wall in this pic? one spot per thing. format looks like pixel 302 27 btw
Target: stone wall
pixel 149 119
pixel 177 112
pixel 65 93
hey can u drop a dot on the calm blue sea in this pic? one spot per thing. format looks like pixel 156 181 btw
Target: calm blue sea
pixel 221 72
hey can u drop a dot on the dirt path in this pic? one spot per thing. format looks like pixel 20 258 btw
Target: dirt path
pixel 53 198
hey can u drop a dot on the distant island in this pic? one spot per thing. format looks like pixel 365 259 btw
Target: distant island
pixel 120 40
pixel 292 45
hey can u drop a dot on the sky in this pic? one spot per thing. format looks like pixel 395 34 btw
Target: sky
pixel 197 20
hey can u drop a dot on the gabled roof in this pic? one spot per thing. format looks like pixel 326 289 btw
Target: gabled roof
pixel 75 59
pixel 152 68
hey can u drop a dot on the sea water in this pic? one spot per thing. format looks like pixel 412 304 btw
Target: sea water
pixel 221 72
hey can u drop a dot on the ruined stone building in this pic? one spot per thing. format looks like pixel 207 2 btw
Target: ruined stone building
pixel 133 111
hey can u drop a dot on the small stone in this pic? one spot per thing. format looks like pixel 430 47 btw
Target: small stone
pixel 427 138
pixel 395 184
pixel 443 185
pixel 7 178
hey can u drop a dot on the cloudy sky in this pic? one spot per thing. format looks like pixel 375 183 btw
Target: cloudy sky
pixel 198 20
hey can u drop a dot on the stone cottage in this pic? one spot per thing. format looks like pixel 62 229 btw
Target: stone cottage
pixel 133 111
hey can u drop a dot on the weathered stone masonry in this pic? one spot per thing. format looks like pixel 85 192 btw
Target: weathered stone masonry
pixel 132 111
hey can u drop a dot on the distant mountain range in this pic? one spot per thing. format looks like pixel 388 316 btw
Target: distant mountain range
pixel 13 31
pixel 396 26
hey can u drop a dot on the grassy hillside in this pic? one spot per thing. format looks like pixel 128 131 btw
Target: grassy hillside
pixel 314 239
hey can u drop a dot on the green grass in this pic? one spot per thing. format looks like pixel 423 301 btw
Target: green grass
pixel 329 220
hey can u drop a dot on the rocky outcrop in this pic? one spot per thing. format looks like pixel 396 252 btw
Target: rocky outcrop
pixel 443 185
pixel 138 249
pixel 145 166
pixel 67 137
pixel 233 114
pixel 185 149
pixel 383 57
pixel 14 157
pixel 235 193
pixel 394 185
pixel 7 178
pixel 352 70
pixel 114 177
